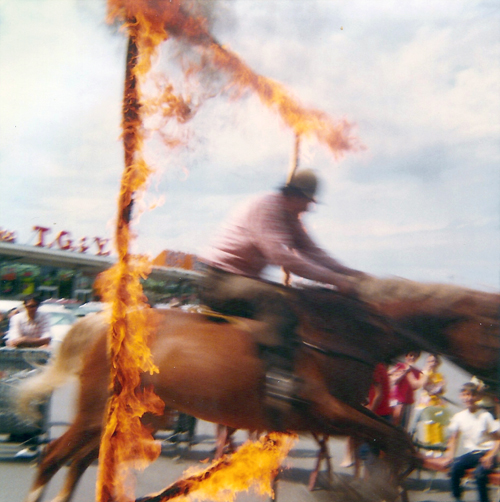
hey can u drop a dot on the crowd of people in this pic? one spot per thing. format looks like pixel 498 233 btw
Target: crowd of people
pixel 471 441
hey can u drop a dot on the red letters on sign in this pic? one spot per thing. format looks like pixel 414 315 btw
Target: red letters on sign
pixel 83 245
pixel 41 235
pixel 64 242
pixel 7 236
pixel 101 244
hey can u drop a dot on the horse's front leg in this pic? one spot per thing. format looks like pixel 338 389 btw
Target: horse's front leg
pixel 323 453
pixel 345 420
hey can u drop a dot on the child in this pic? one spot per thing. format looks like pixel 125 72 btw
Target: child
pixel 435 387
pixel 405 380
pixel 481 440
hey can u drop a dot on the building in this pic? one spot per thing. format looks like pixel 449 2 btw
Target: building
pixel 66 272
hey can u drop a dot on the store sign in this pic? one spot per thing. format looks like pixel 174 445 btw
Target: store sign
pixel 7 235
pixel 64 241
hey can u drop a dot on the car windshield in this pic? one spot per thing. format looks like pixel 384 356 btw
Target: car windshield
pixel 61 318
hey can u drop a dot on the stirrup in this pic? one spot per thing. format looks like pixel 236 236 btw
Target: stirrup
pixel 281 389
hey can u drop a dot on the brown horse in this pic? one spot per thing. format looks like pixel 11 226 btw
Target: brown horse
pixel 211 370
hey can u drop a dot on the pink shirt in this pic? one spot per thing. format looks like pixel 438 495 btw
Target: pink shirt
pixel 262 233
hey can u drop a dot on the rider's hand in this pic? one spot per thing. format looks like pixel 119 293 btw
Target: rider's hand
pixel 361 276
pixel 345 286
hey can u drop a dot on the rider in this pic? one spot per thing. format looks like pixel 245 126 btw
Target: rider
pixel 268 231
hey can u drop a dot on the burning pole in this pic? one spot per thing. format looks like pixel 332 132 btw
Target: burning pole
pixel 125 443
pixel 294 163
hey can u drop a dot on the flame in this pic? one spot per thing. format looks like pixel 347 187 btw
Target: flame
pixel 254 466
pixel 125 444
pixel 172 18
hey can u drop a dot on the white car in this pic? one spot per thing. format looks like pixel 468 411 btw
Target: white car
pixel 61 320
pixel 8 305
pixel 90 308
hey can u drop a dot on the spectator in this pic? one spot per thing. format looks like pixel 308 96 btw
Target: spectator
pixel 379 403
pixel 480 436
pixel 405 380
pixel 432 416
pixel 4 325
pixel 30 328
pixel 379 395
pixel 435 386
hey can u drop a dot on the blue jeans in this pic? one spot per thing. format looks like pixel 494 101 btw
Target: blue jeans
pixel 461 464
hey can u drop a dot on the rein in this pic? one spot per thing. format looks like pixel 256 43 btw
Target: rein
pixel 335 353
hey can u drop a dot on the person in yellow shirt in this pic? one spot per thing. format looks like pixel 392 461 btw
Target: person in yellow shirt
pixel 435 386
pixel 431 395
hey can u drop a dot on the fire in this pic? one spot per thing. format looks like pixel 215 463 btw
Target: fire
pixel 255 465
pixel 125 443
pixel 162 19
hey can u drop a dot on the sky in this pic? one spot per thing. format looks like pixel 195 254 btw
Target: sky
pixel 419 81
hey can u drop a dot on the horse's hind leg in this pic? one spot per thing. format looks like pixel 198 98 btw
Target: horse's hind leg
pixel 78 466
pixel 224 441
pixel 75 443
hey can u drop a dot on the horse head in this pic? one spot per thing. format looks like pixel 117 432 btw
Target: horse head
pixel 460 323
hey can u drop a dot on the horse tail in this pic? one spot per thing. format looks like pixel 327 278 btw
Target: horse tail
pixel 65 364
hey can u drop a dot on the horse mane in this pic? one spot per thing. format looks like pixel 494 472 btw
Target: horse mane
pixel 375 290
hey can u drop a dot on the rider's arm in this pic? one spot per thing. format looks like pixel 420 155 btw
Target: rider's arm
pixel 397 373
pixel 308 269
pixel 276 237
pixel 378 394
pixel 308 248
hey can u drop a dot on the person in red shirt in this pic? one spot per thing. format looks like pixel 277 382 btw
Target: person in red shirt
pixel 380 393
pixel 268 232
pixel 379 403
pixel 405 380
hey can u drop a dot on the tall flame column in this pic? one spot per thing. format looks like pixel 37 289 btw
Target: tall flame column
pixel 125 443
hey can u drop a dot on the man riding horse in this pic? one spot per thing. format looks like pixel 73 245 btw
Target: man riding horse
pixel 268 231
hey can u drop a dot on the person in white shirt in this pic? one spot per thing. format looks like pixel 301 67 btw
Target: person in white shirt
pixel 480 436
pixel 30 328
